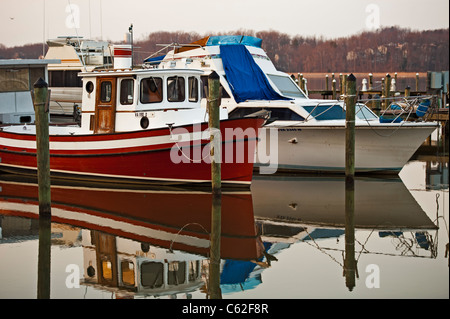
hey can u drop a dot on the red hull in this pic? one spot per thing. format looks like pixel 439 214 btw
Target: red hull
pixel 127 156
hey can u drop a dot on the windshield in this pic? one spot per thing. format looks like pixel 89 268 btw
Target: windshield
pixel 364 113
pixel 286 85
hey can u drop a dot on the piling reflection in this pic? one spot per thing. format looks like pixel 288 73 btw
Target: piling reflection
pixel 44 258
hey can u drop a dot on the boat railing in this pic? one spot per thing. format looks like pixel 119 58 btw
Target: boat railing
pixel 397 109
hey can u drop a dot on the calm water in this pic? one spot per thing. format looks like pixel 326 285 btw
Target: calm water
pixel 284 239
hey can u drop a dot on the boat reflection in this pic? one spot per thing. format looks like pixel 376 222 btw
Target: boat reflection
pixel 145 242
pixel 139 243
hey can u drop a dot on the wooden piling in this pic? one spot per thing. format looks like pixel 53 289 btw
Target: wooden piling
pixel 350 103
pixel 370 81
pixel 214 125
pixel 41 102
pixel 407 91
pixel 333 86
pixel 349 260
pixel 417 82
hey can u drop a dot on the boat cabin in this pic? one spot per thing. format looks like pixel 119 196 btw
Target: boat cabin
pixel 130 100
pixel 17 78
pixel 77 55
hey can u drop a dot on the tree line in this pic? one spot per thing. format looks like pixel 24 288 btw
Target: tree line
pixel 385 50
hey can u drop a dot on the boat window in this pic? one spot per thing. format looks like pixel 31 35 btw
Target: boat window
pixel 204 78
pixel 152 274
pixel 326 112
pixel 36 73
pixel 194 270
pixel 364 113
pixel 175 89
pixel 193 89
pixel 105 92
pixel 66 78
pixel 127 272
pixel 151 90
pixel 286 86
pixel 107 269
pixel 126 91
pixel 12 80
pixel 177 273
pixel 281 113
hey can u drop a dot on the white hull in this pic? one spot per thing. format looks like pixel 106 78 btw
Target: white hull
pixel 378 148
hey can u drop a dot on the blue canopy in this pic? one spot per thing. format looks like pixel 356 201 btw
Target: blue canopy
pixel 155 60
pixel 234 39
pixel 246 79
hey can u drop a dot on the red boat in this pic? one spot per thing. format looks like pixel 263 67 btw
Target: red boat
pixel 139 126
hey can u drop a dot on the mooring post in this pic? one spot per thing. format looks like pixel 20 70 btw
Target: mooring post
pixel 333 87
pixel 350 103
pixel 407 91
pixel 417 82
pixel 349 261
pixel 41 97
pixel 216 218
pixel 327 87
pixel 370 81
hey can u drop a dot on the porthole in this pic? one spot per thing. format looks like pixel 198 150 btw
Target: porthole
pixel 144 122
pixel 89 87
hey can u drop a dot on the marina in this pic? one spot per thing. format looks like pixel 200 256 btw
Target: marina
pixel 213 169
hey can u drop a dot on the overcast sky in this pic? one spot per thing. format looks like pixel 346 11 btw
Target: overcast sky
pixel 33 21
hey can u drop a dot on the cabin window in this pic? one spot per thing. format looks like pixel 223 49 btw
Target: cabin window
pixel 276 113
pixel 225 94
pixel 107 272
pixel 326 112
pixel 193 89
pixel 127 272
pixel 152 274
pixel 106 91
pixel 12 80
pixel 151 90
pixel 364 113
pixel 66 78
pixel 286 86
pixel 126 91
pixel 89 87
pixel 175 89
pixel 194 270
pixel 177 273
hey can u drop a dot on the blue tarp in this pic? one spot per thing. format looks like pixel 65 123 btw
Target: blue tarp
pixel 246 79
pixel 155 60
pixel 234 39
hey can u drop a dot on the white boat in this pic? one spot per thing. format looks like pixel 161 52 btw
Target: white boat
pixel 311 132
pixel 77 55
